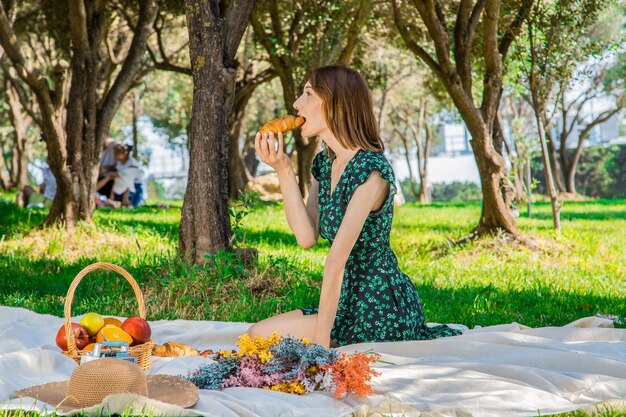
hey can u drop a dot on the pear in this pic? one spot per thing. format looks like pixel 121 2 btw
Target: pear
pixel 92 322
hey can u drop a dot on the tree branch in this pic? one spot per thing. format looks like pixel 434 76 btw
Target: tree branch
pixel 411 44
pixel 31 76
pixel 60 75
pixel 166 65
pixel 291 39
pixel 440 15
pixel 237 17
pixel 462 50
pixel 474 19
pixel 513 30
pixel 493 62
pixel 439 35
pixel 132 65
pixel 275 20
pixel 112 57
pixel 354 31
pixel 260 33
pixel 25 102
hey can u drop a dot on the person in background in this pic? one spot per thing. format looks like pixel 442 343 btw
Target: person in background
pixel 107 167
pixel 127 186
pixel 47 190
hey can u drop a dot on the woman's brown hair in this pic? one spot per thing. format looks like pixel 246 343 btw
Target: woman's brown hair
pixel 347 105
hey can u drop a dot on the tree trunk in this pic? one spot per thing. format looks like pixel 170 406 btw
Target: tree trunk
pixel 529 187
pixel 557 168
pixel 517 166
pixel 239 174
pixel 306 151
pixel 556 207
pixel 136 112
pixel 5 179
pixel 424 192
pixel 453 66
pixel 214 34
pixel 405 144
pixel 21 146
pixel 573 162
pixel 249 157
pixel 518 169
pixel 496 214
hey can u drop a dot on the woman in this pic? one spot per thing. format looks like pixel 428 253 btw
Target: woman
pixel 364 297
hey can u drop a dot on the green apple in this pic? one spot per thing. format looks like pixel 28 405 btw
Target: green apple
pixel 92 322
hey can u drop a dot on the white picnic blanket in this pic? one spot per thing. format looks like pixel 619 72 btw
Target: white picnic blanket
pixel 499 370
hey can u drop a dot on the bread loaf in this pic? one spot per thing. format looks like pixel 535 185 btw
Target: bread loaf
pixel 283 124
pixel 170 349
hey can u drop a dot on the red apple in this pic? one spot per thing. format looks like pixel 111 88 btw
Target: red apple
pixel 138 329
pixel 81 337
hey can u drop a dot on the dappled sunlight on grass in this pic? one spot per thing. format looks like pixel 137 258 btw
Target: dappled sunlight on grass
pixel 89 241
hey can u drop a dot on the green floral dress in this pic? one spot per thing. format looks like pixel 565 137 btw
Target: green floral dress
pixel 378 302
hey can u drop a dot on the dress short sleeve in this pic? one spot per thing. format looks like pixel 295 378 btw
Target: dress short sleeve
pixel 316 167
pixel 362 170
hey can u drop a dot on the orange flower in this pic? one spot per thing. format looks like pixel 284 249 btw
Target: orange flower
pixel 353 373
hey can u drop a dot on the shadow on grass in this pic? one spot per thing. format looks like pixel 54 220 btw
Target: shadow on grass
pixel 19 220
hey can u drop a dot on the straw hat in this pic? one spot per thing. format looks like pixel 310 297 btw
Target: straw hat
pixel 92 381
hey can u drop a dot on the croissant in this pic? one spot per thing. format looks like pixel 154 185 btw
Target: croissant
pixel 169 349
pixel 283 124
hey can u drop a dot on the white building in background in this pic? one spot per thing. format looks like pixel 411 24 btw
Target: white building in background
pixel 167 164
pixel 450 161
pixel 453 159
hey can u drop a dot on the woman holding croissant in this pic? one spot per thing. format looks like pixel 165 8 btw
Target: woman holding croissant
pixel 365 297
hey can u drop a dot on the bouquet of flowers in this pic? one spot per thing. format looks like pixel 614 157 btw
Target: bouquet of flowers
pixel 288 365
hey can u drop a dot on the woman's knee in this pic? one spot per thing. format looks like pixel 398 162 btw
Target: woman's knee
pixel 261 328
pixel 281 324
pixel 253 330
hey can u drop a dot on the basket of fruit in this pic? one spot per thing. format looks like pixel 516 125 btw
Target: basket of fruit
pixel 78 339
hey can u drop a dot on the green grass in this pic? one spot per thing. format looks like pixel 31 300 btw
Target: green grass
pixel 481 283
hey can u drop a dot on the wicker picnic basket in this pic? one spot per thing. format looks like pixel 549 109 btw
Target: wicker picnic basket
pixel 142 351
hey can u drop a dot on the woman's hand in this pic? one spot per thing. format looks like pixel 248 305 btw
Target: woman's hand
pixel 266 149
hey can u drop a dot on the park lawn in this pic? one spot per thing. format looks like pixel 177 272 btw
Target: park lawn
pixel 486 282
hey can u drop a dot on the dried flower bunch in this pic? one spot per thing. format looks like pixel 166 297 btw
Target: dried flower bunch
pixel 288 365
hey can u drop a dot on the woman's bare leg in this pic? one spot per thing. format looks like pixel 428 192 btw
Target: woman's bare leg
pixel 293 323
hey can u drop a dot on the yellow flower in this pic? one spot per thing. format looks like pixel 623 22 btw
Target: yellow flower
pixel 290 388
pixel 225 353
pixel 250 346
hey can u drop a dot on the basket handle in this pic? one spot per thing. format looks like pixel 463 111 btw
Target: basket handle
pixel 69 334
